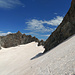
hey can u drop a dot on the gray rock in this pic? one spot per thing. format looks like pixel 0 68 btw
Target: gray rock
pixel 15 39
pixel 63 31
pixel 41 43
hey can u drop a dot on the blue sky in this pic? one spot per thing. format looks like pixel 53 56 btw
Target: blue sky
pixel 33 17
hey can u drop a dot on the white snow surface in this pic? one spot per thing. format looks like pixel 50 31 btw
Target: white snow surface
pixel 58 61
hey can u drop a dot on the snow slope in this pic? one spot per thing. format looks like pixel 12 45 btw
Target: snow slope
pixel 22 60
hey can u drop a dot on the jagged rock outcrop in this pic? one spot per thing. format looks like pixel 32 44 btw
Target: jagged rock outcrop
pixel 41 43
pixel 15 39
pixel 63 31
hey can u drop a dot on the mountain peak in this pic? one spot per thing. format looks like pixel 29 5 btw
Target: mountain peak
pixel 19 32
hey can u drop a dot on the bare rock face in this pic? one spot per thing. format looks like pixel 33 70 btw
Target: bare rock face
pixel 41 43
pixel 11 40
pixel 63 31
pixel 16 39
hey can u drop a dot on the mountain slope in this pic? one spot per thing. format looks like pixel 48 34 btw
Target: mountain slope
pixel 58 61
pixel 63 31
pixel 15 60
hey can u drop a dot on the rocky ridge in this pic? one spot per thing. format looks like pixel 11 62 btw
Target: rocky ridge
pixel 63 31
pixel 41 43
pixel 15 39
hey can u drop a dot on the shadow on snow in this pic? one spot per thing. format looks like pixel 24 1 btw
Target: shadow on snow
pixel 38 55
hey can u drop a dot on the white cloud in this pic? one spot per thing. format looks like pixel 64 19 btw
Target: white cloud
pixel 46 35
pixel 38 25
pixel 3 34
pixel 0 31
pixel 55 21
pixel 55 13
pixel 31 33
pixel 9 3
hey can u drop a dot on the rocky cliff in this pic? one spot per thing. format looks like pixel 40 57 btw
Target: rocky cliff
pixel 15 39
pixel 63 31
